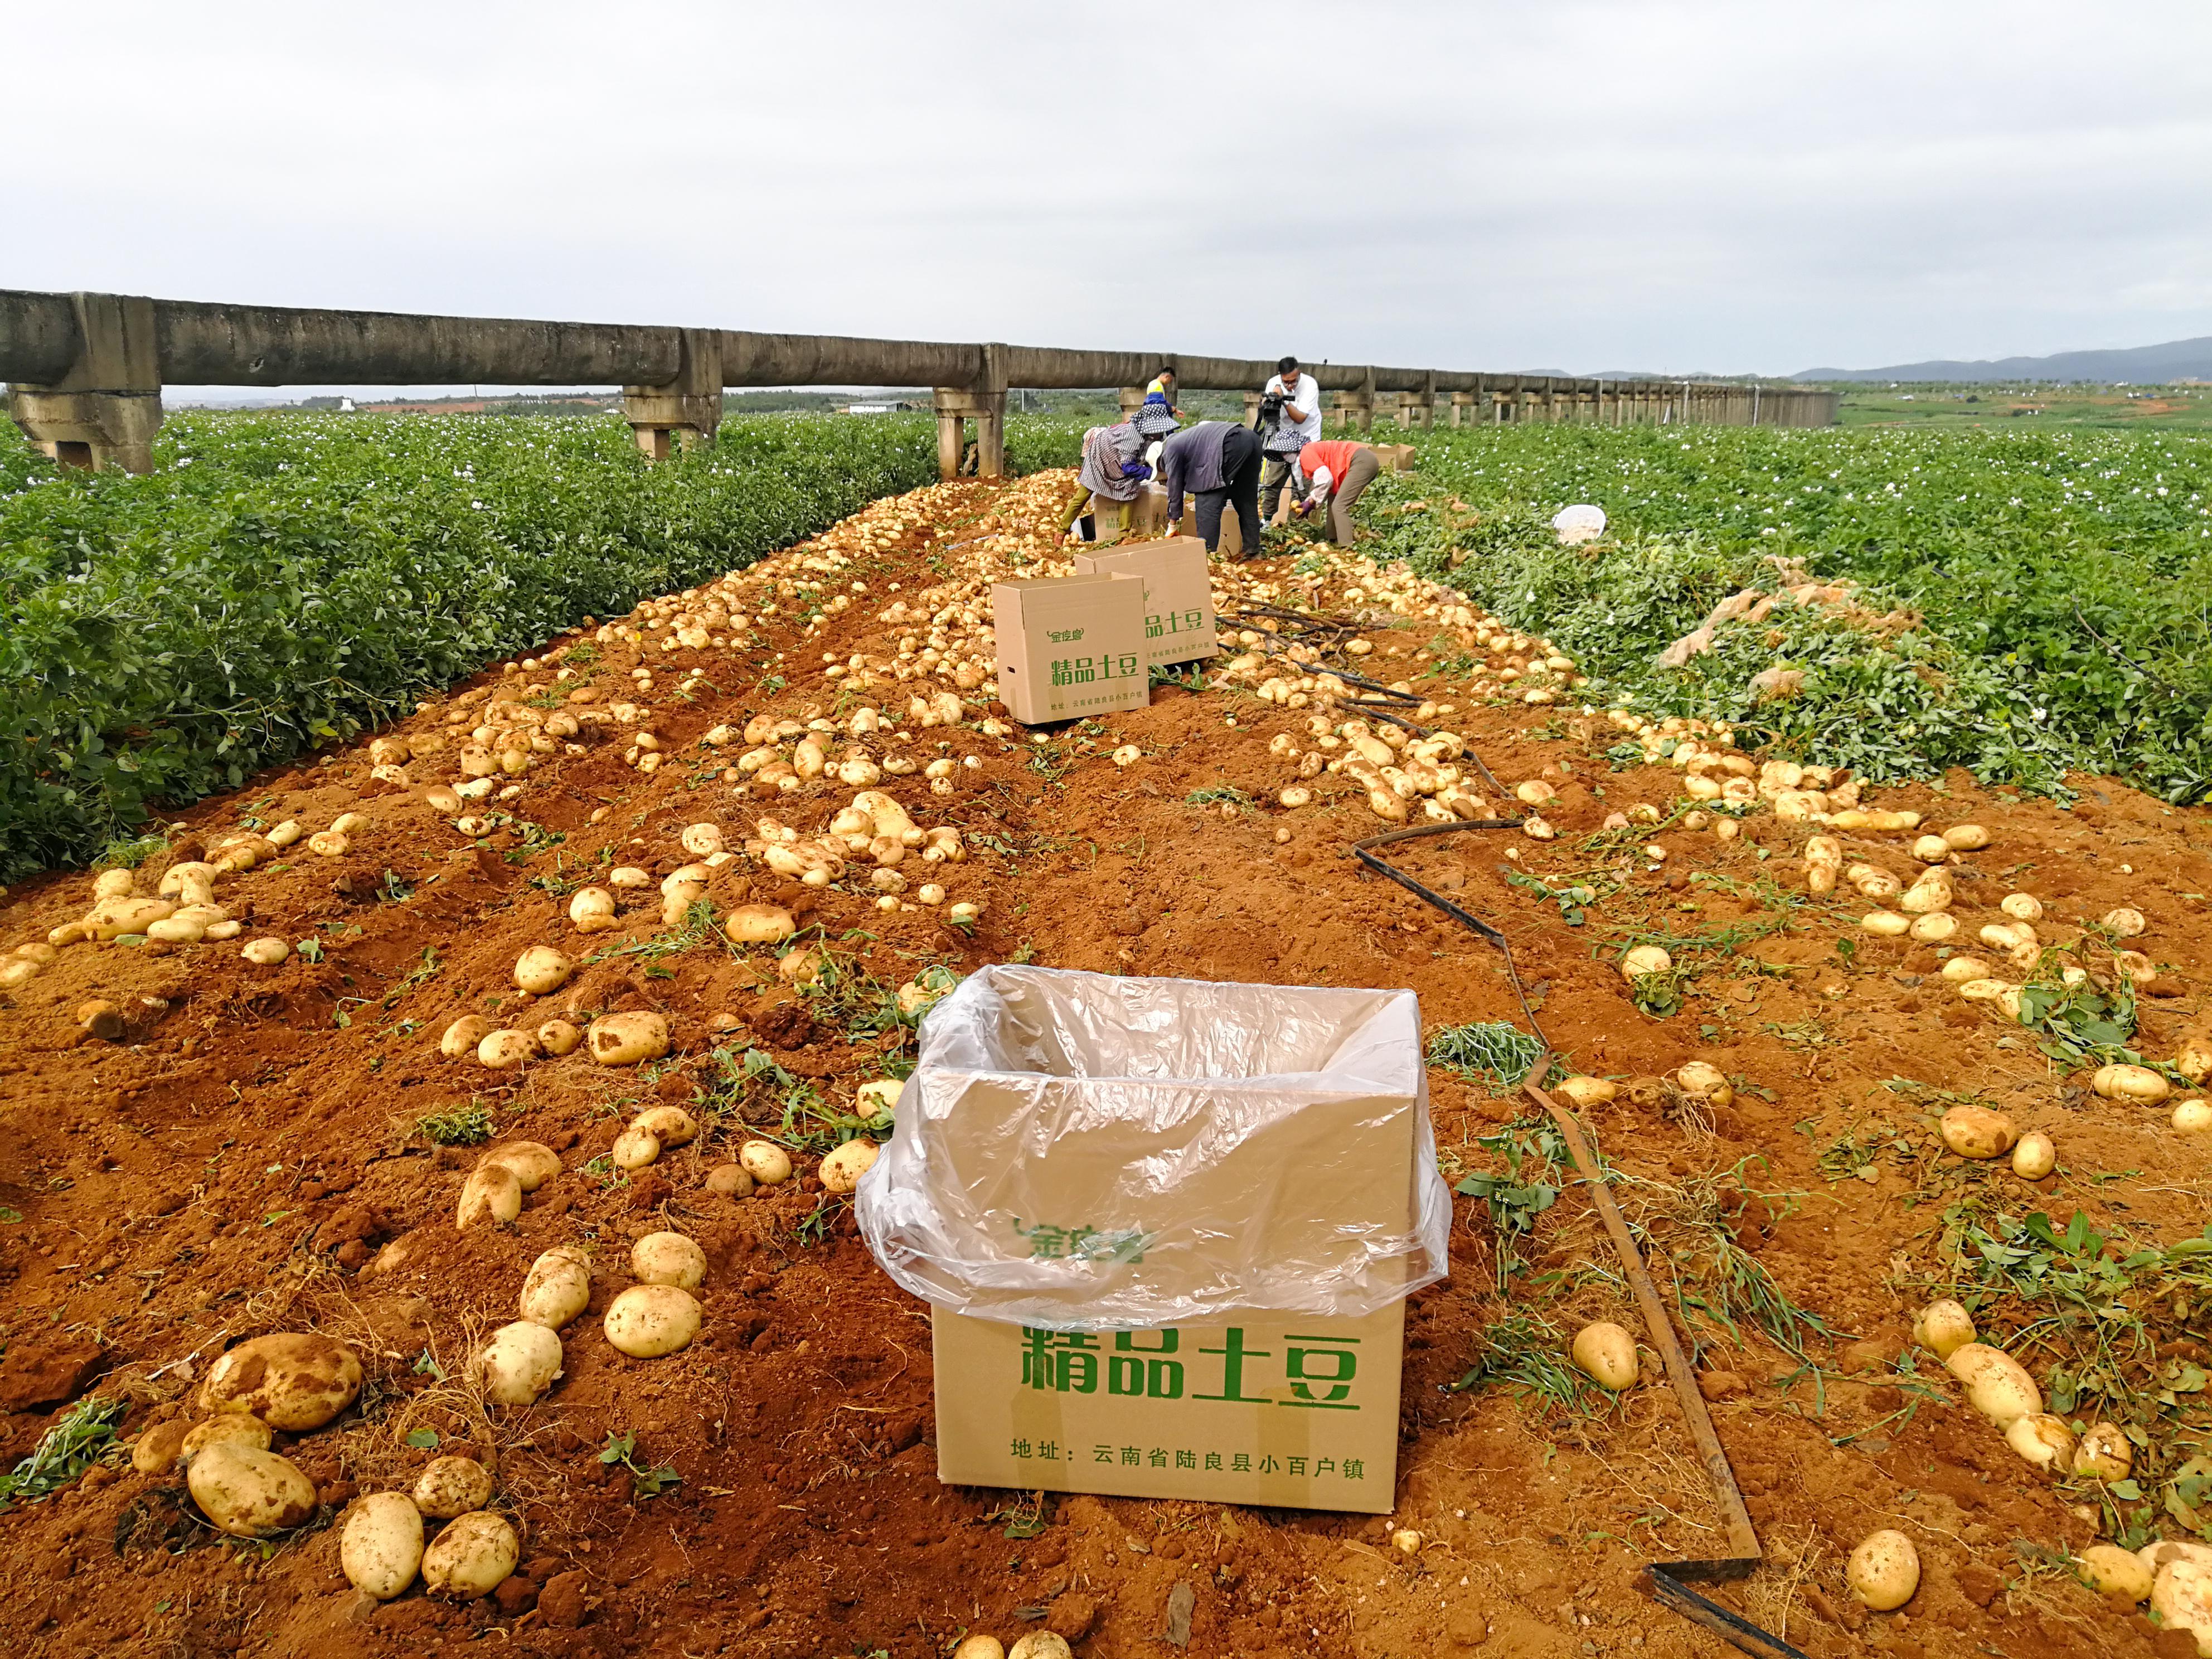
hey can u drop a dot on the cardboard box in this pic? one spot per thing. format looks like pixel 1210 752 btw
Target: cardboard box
pixel 1395 458
pixel 1070 646
pixel 1178 594
pixel 1275 1409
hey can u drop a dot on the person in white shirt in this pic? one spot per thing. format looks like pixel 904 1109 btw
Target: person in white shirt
pixel 1300 425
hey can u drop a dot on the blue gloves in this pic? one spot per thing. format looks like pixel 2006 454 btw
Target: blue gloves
pixel 1136 470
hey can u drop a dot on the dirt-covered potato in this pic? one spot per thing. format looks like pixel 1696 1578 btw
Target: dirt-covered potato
pixel 2136 1083
pixel 462 1036
pixel 451 1487
pixel 2043 1440
pixel 668 1259
pixel 2113 1573
pixel 291 1380
pixel 981 1646
pixel 1040 1644
pixel 1967 838
pixel 517 1364
pixel 759 924
pixel 1884 1571
pixel 1586 1091
pixel 635 1148
pixel 1645 959
pixel 841 1169
pixel 671 1125
pixel 492 1194
pixel 1934 926
pixel 591 910
pixel 2104 1453
pixel 558 1287
pixel 2181 1599
pixel 765 1162
pixel 2193 1117
pixel 248 1492
pixel 264 952
pixel 156 1450
pixel 227 1428
pixel 647 1321
pixel 2021 907
pixel 2192 1057
pixel 1977 1132
pixel 473 1556
pixel 873 1099
pixel 1944 1327
pixel 542 969
pixel 2036 1155
pixel 1606 1353
pixel 731 1181
pixel 629 1039
pixel 2125 922
pixel 557 1037
pixel 534 1163
pixel 381 1546
pixel 1997 1386
pixel 1702 1080
pixel 1885 923
pixel 506 1050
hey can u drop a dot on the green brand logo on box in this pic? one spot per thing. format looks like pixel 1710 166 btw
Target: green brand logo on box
pixel 1318 1371
pixel 1063 635
pixel 1050 1243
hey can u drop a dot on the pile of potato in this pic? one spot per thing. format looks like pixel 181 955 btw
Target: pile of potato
pixel 493 1192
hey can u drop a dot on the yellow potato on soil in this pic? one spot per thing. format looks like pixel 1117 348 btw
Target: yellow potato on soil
pixel 534 1163
pixel 1958 970
pixel 542 969
pixel 1042 1644
pixel 291 1380
pixel 731 1181
pixel 506 1050
pixel 2138 1084
pixel 1703 1081
pixel 1944 1327
pixel 2113 1573
pixel 591 910
pixel 517 1364
pixel 1884 1571
pixel 248 1492
pixel 2035 1156
pixel 462 1036
pixel 558 1287
pixel 1977 1132
pixel 2181 1599
pixel 155 1451
pixel 381 1546
pixel 451 1487
pixel 759 924
pixel 980 1646
pixel 557 1037
pixel 473 1556
pixel 647 1321
pixel 841 1169
pixel 627 1039
pixel 1645 959
pixel 668 1259
pixel 2125 922
pixel 1967 837
pixel 2043 1440
pixel 493 1193
pixel 765 1162
pixel 1586 1091
pixel 268 952
pixel 227 1428
pixel 2021 907
pixel 1885 923
pixel 671 1125
pixel 1934 926
pixel 2193 1059
pixel 2193 1117
pixel 1997 1386
pixel 1606 1354
pixel 2104 1454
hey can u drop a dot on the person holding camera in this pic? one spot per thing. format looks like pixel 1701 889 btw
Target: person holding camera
pixel 1297 423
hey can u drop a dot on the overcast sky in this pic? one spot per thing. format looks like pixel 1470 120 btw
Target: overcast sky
pixel 1582 186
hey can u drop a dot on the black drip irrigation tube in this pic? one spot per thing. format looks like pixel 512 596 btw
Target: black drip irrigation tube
pixel 1670 1580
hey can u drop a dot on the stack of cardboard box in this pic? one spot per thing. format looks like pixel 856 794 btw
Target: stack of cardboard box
pixel 1081 645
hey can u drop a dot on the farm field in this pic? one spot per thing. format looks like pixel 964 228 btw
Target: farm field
pixel 283 1146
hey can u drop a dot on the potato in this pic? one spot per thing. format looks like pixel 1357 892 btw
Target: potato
pixel 517 1364
pixel 635 1148
pixel 765 1162
pixel 1944 1327
pixel 2104 1453
pixel 2035 1156
pixel 1860 819
pixel 668 1259
pixel 2136 1083
pixel 506 1050
pixel 2193 1059
pixel 840 1171
pixel 591 910
pixel 156 1450
pixel 382 1544
pixel 1977 1132
pixel 1884 1571
pixel 702 839
pixel 266 952
pixel 980 1646
pixel 542 969
pixel 2193 1117
pixel 2043 1440
pixel 463 1035
pixel 1931 849
pixel 1996 1385
pixel 227 1428
pixel 248 1492
pixel 1967 838
pixel 758 924
pixel 2021 907
pixel 2124 922
pixel 558 1287
pixel 1874 883
pixel 1606 1354
pixel 1645 959
pixel 451 1487
pixel 731 1181
pixel 1933 927
pixel 874 1099
pixel 533 1163
pixel 1043 1644
pixel 493 1193
pixel 670 1124
pixel 647 1321
pixel 557 1037
pixel 2181 1599
pixel 2113 1573
pixel 473 1556
pixel 1960 969
pixel 626 1039
pixel 1824 858
pixel 291 1380
pixel 114 883
pixel 1586 1091
pixel 1885 923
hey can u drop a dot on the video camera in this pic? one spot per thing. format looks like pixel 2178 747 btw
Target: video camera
pixel 1270 412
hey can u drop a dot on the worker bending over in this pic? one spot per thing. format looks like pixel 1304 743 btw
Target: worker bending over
pixel 1114 469
pixel 1219 462
pixel 1336 470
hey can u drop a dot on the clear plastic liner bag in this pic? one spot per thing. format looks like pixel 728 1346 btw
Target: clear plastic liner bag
pixel 1088 1151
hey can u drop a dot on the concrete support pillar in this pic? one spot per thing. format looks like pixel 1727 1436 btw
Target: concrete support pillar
pixel 1133 400
pixel 104 411
pixel 1461 402
pixel 1425 404
pixel 1367 405
pixel 1356 409
pixel 688 410
pixel 955 409
pixel 1251 401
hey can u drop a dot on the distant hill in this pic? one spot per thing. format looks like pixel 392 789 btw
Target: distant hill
pixel 2150 365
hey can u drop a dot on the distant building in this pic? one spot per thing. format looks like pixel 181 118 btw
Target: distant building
pixel 871 409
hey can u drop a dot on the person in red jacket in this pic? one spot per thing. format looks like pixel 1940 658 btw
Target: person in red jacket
pixel 1336 471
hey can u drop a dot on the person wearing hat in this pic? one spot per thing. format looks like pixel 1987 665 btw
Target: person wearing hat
pixel 1337 471
pixel 1115 467
pixel 1219 462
